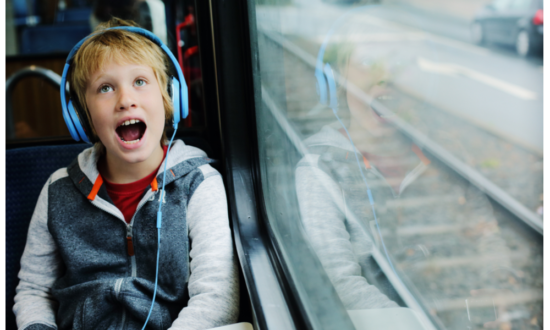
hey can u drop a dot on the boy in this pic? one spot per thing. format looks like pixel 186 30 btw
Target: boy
pixel 91 251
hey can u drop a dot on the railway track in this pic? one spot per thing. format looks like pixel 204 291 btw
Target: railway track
pixel 470 261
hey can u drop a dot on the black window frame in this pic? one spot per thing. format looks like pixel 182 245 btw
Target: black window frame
pixel 230 66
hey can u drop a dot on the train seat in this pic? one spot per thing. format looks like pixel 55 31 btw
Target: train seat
pixel 45 38
pixel 22 190
pixel 74 15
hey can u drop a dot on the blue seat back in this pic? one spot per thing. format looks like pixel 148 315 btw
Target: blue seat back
pixel 74 15
pixel 27 170
pixel 52 38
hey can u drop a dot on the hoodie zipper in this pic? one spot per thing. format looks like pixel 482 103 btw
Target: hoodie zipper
pixel 129 232
pixel 118 286
pixel 131 251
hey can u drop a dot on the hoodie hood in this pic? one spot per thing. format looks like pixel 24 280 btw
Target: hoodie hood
pixel 179 152
pixel 329 136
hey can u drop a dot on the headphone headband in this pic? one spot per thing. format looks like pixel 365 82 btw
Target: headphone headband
pixel 148 34
pixel 325 82
pixel 75 123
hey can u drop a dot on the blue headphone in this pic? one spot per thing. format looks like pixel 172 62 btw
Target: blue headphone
pixel 73 113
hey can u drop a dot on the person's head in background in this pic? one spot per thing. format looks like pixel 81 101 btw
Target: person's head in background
pixel 104 10
pixel 148 14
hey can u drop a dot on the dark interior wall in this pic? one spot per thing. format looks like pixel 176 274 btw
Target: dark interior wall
pixel 36 103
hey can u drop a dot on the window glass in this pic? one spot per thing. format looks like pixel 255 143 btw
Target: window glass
pixel 520 4
pixel 502 4
pixel 384 144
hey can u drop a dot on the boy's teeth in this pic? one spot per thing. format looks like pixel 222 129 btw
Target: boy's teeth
pixel 131 142
pixel 130 122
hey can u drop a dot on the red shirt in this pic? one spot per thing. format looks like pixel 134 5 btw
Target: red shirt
pixel 126 196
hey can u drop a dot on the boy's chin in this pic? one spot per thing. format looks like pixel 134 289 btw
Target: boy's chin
pixel 133 156
pixel 136 156
pixel 134 153
pixel 134 159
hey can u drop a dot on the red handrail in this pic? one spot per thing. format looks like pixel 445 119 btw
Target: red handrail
pixel 189 23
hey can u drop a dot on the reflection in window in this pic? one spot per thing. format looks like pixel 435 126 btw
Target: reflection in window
pixel 502 4
pixel 375 182
pixel 520 4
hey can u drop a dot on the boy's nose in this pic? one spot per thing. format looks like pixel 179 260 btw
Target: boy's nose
pixel 126 100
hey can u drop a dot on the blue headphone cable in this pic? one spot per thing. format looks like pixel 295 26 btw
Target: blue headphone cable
pixel 159 225
pixel 369 193
pixel 333 104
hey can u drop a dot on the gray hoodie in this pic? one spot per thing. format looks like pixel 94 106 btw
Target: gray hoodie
pixel 77 271
pixel 335 230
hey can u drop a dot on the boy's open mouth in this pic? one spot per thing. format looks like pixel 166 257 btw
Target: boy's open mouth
pixel 131 131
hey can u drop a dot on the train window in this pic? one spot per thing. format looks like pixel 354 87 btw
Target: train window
pixel 520 4
pixel 501 4
pixel 406 157
pixel 40 34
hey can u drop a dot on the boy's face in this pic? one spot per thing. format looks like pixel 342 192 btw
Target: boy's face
pixel 371 77
pixel 127 110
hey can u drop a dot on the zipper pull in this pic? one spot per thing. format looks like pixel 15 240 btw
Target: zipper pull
pixel 130 246
pixel 129 241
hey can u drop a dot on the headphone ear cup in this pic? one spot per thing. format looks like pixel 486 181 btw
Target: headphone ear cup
pixel 69 122
pixel 176 103
pixel 184 99
pixel 82 126
pixel 321 86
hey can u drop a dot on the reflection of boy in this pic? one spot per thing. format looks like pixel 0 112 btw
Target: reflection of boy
pixel 333 199
pixel 322 178
pixel 91 250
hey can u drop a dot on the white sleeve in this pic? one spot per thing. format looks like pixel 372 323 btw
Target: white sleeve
pixel 324 223
pixel 214 281
pixel 40 267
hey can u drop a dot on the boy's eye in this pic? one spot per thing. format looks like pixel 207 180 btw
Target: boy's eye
pixel 140 82
pixel 105 89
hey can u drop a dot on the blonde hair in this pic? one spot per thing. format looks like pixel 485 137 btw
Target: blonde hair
pixel 121 46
